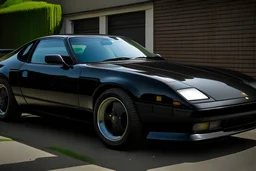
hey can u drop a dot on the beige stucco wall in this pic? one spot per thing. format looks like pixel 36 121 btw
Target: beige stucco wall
pixel 74 6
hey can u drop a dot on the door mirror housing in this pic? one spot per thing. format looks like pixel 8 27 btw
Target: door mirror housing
pixel 55 59
pixel 158 55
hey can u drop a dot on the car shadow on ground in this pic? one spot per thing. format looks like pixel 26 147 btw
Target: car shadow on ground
pixel 43 133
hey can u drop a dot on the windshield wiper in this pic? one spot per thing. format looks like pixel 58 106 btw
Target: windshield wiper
pixel 117 59
pixel 156 57
pixel 140 57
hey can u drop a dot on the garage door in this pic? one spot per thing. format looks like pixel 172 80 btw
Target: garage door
pixel 214 32
pixel 86 26
pixel 129 24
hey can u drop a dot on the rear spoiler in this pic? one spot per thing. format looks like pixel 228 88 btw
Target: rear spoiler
pixel 5 52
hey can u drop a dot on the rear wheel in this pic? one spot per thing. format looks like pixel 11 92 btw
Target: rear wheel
pixel 9 109
pixel 116 120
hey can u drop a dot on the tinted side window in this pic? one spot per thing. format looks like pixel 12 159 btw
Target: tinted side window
pixel 25 52
pixel 49 46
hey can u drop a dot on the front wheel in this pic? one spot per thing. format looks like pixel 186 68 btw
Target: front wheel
pixel 116 120
pixel 9 109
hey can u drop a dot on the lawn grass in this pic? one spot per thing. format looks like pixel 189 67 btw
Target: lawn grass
pixel 5 139
pixel 73 154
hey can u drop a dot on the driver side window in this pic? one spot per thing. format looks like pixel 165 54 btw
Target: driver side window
pixel 49 46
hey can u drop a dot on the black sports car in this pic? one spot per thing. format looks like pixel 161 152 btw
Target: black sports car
pixel 131 93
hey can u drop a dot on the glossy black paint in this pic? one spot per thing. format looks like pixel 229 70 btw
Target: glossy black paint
pixel 69 91
pixel 118 76
pixel 50 83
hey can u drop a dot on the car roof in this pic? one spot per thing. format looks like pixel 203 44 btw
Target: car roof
pixel 74 35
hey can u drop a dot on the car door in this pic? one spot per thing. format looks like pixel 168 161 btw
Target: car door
pixel 49 87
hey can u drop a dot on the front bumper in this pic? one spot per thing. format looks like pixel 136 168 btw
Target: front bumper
pixel 168 123
pixel 193 137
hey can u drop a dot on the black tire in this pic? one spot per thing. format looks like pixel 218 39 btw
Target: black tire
pixel 12 112
pixel 134 135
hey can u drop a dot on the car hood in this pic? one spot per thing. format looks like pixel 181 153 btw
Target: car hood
pixel 220 84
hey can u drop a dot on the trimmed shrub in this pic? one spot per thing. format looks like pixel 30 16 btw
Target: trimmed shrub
pixel 26 21
pixel 7 3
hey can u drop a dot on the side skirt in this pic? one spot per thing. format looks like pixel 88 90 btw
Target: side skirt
pixel 80 115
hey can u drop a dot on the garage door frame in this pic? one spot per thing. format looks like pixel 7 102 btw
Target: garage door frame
pixel 103 20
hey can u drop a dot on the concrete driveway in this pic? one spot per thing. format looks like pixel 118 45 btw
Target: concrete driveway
pixel 32 139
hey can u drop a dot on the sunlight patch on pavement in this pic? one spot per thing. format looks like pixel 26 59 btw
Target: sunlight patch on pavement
pixel 85 167
pixel 239 162
pixel 15 152
pixel 247 135
pixel 236 162
pixel 242 160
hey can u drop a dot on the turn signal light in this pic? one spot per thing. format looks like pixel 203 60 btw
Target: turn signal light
pixel 159 98
pixel 176 103
pixel 201 126
pixel 207 126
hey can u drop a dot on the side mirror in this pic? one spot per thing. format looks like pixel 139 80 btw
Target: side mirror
pixel 158 55
pixel 55 59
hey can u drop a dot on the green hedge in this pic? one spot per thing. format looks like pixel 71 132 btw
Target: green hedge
pixel 26 21
pixel 7 3
pixel 2 2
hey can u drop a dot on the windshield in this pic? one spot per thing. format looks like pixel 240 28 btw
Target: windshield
pixel 98 49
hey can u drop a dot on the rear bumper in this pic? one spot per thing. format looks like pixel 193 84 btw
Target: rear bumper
pixel 167 123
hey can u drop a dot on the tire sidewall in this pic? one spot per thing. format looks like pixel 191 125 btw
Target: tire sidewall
pixel 5 83
pixel 12 112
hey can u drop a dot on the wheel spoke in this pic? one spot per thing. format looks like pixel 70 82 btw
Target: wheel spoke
pixel 107 117
pixel 117 128
pixel 123 122
pixel 121 128
pixel 109 110
pixel 113 129
pixel 118 109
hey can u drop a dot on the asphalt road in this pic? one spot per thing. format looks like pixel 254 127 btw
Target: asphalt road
pixel 33 136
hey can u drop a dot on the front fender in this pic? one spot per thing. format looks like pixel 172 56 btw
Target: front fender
pixel 141 87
